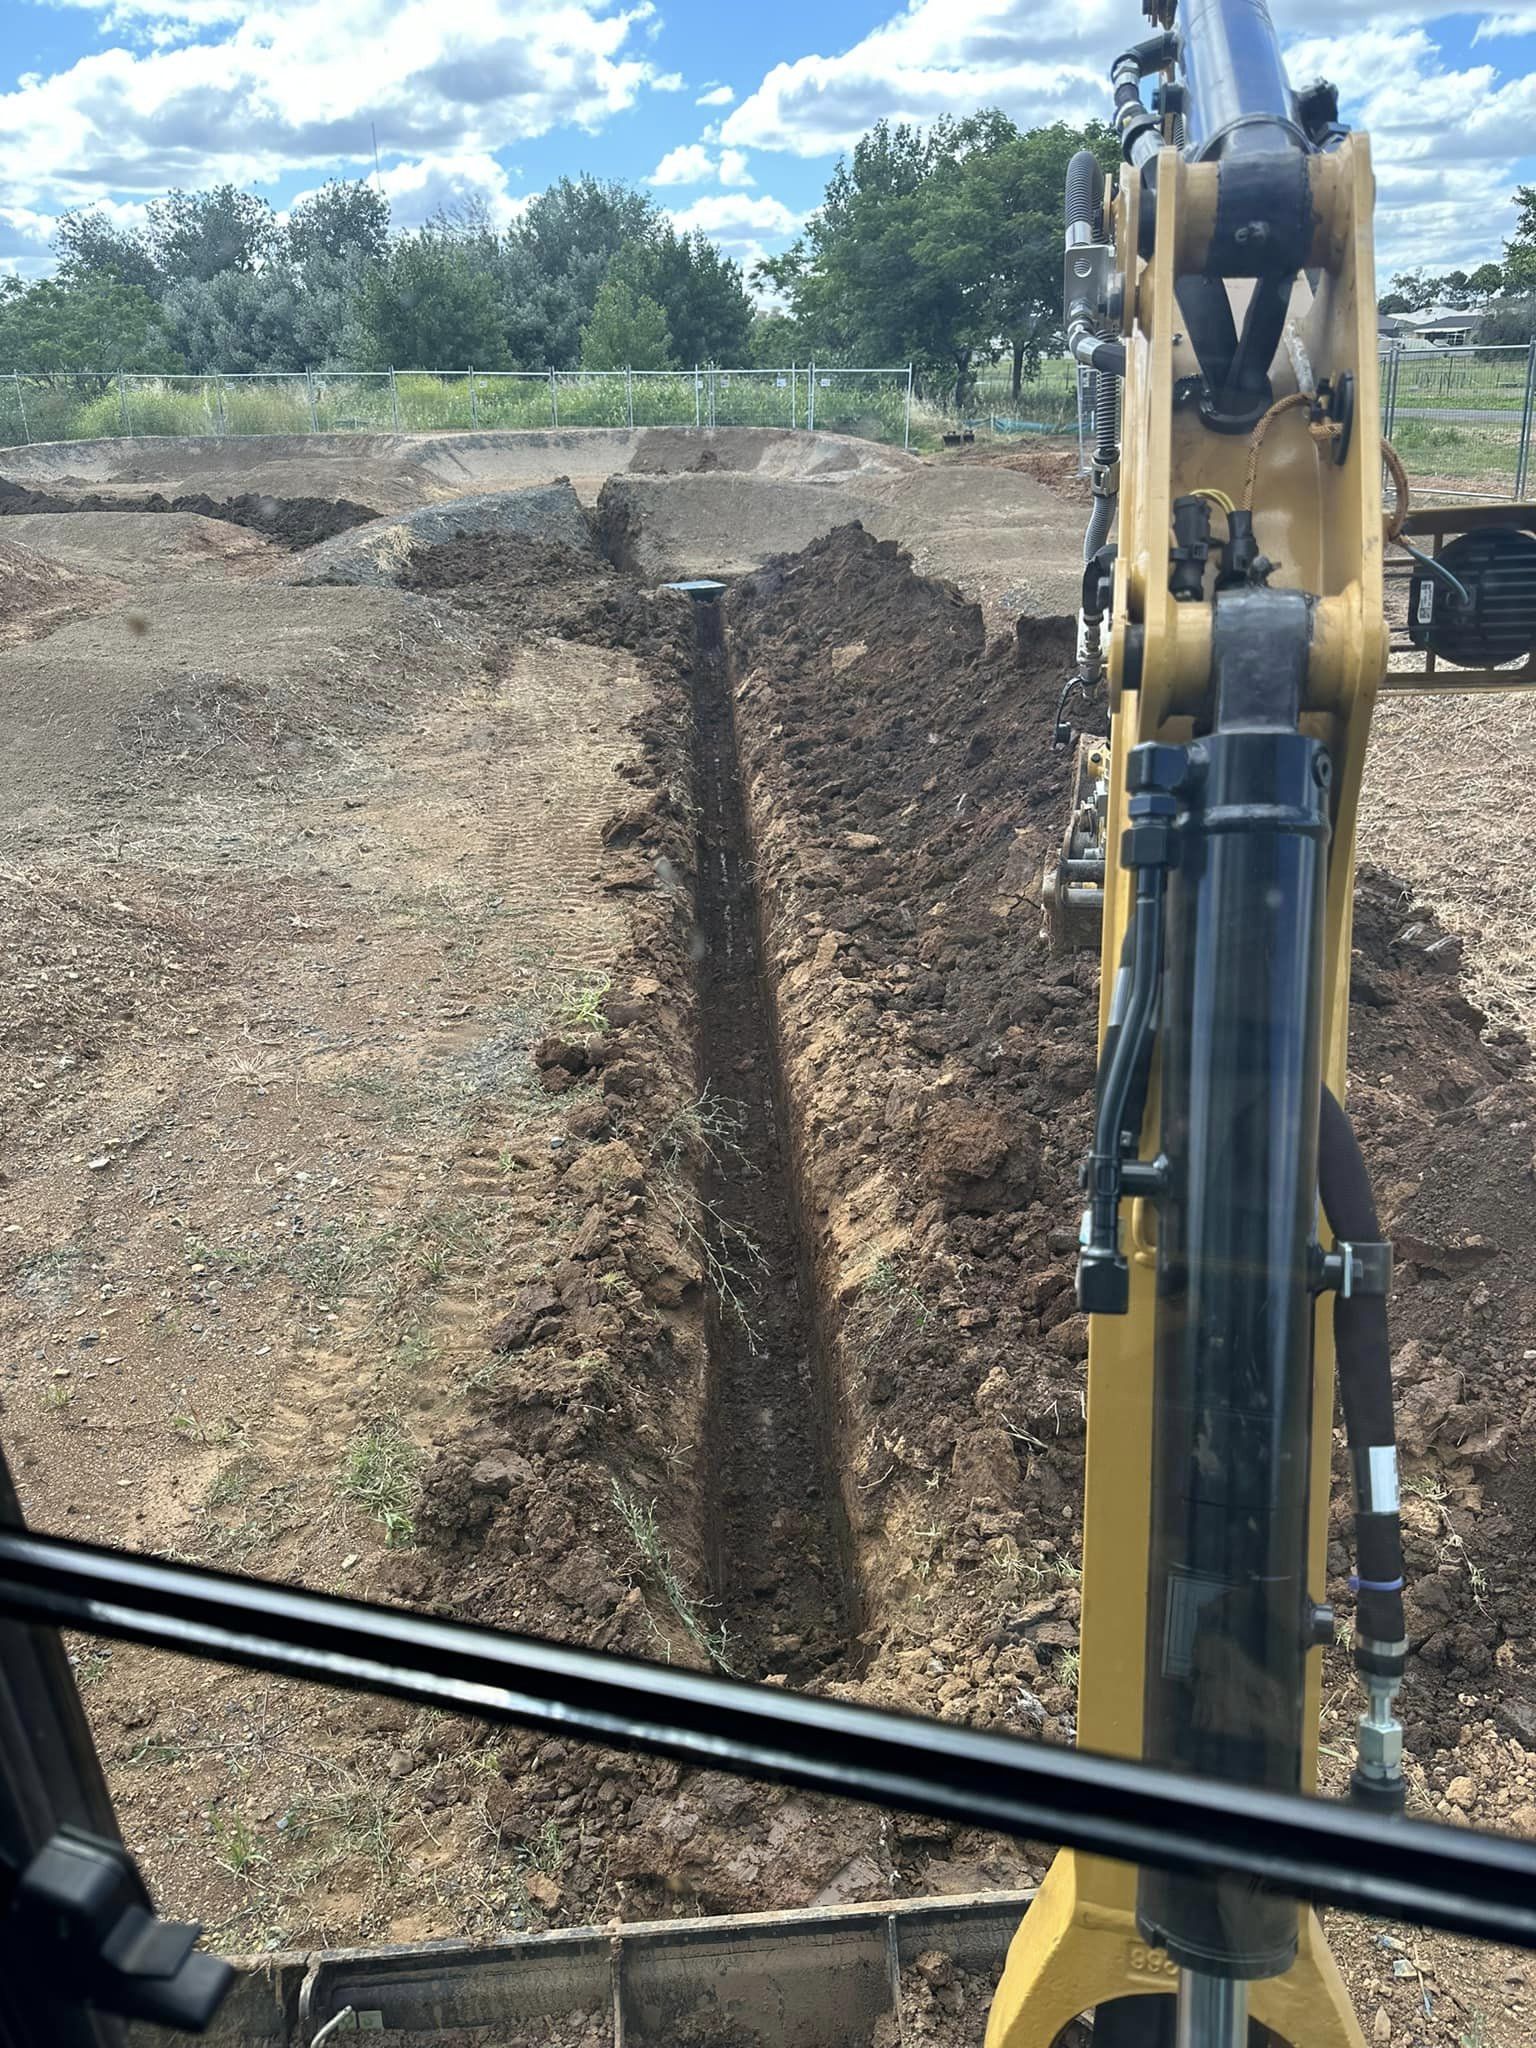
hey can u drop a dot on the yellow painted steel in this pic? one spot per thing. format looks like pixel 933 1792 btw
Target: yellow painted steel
pixel 1322 524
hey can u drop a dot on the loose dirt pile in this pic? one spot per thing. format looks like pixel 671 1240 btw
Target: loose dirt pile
pixel 294 522
pixel 37 594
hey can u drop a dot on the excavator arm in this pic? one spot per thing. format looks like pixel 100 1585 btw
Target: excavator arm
pixel 1221 294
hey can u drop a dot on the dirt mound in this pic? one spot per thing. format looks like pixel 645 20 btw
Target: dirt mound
pixel 36 593
pixel 293 522
pixel 548 513
pixel 904 793
pixel 718 522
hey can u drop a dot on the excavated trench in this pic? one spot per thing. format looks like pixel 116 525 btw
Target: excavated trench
pixel 775 1533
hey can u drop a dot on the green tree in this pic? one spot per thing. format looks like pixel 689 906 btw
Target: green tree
pixel 940 246
pixel 239 320
pixel 54 328
pixel 1413 291
pixel 627 331
pixel 552 265
pixel 1520 249
pixel 995 200
pixel 345 218
pixel 429 305
pixel 91 247
pixel 866 282
pixel 773 340
pixel 198 234
pixel 708 307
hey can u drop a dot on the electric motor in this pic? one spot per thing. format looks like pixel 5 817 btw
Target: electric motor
pixel 1491 617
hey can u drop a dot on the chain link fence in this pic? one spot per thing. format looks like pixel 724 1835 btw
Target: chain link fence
pixel 874 404
pixel 1461 417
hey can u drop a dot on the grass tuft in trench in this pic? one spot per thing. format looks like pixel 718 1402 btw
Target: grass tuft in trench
pixel 656 1563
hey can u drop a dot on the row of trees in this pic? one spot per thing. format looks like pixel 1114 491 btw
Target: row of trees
pixel 592 274
pixel 1503 294
pixel 940 246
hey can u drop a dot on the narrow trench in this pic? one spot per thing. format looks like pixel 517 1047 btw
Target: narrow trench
pixel 774 1522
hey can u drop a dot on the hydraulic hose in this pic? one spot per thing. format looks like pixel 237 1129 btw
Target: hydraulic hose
pixel 1100 520
pixel 1363 1348
pixel 1103 1275
pixel 1083 176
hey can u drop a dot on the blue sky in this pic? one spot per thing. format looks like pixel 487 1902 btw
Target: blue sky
pixel 733 116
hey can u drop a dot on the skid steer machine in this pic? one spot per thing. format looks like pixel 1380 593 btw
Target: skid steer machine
pixel 1220 291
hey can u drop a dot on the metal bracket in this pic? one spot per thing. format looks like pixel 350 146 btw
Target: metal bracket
pixel 1354 1270
pixel 80 1918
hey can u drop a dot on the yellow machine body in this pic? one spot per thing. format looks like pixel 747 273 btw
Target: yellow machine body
pixel 1321 522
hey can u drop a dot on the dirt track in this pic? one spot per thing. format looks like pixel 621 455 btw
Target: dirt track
pixel 467 1066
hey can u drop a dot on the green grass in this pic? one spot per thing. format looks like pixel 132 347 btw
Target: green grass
pixel 380 1474
pixel 870 406
pixel 639 1521
pixel 1479 452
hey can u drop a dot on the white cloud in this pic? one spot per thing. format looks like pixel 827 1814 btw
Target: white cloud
pixel 283 85
pixel 416 191
pixel 688 164
pixel 938 58
pixel 669 81
pixel 717 96
pixel 24 237
pixel 1472 124
pixel 733 217
pixel 1446 144
pixel 691 164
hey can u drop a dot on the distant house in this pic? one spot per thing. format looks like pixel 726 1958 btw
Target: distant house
pixel 1443 326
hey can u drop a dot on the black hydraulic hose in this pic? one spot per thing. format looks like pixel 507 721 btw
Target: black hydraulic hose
pixel 1102 1274
pixel 1363 1349
pixel 1106 415
pixel 1083 179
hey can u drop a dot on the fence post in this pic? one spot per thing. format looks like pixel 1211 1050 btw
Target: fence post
pixel 122 405
pixel 21 407
pixel 309 391
pixel 474 402
pixel 218 400
pixel 698 390
pixel 394 400
pixel 810 403
pixel 629 396
pixel 1522 463
pixel 554 400
pixel 906 431
pixel 1389 400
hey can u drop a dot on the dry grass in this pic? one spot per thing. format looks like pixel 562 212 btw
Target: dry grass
pixel 1444 809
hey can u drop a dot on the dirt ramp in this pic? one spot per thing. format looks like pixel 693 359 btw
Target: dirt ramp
pixel 141 550
pixel 722 523
pixel 550 514
pixel 38 593
pixel 293 522
pixel 396 471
